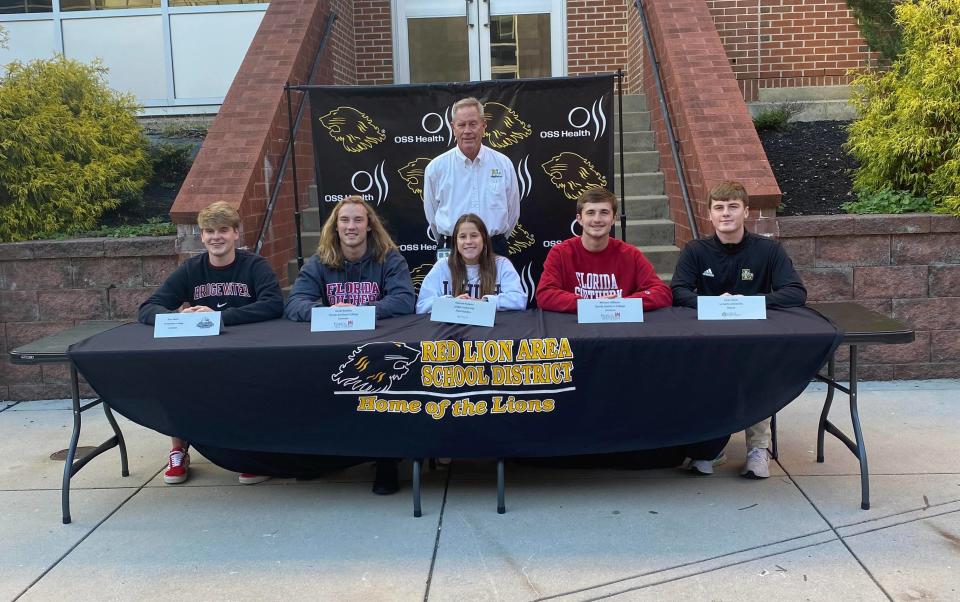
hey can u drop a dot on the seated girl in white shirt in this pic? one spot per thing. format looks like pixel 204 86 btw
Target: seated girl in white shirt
pixel 473 272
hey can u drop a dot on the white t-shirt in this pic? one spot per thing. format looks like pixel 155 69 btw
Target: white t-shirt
pixel 487 186
pixel 438 283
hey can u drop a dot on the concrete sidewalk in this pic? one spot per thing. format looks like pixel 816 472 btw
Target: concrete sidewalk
pixel 567 534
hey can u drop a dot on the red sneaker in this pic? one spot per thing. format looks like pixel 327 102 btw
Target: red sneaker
pixel 177 467
pixel 252 479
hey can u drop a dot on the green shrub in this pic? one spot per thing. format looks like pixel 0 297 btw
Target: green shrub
pixel 776 118
pixel 908 135
pixel 70 148
pixel 154 226
pixel 888 201
pixel 876 21
pixel 170 162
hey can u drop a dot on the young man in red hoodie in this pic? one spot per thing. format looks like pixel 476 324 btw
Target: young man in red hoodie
pixel 595 265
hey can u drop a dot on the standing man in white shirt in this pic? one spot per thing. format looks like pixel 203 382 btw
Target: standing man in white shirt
pixel 471 178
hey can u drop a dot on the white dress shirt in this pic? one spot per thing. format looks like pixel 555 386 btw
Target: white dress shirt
pixel 487 186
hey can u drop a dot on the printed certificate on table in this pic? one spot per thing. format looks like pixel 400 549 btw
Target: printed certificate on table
pixel 463 311
pixel 599 311
pixel 359 317
pixel 732 307
pixel 193 324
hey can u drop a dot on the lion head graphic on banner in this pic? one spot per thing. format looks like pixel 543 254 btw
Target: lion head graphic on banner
pixel 412 174
pixel 519 240
pixel 353 129
pixel 419 274
pixel 504 126
pixel 375 366
pixel 573 174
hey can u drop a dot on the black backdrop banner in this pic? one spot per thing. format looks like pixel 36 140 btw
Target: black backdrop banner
pixel 376 142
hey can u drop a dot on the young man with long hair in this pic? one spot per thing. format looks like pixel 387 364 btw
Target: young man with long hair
pixel 357 263
pixel 473 271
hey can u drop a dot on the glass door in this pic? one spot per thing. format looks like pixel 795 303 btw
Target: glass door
pixel 451 40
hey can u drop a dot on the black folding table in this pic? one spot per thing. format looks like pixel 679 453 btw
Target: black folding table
pixel 860 326
pixel 53 349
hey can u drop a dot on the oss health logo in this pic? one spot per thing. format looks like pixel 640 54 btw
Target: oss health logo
pixel 581 119
pixel 437 127
pixel 364 183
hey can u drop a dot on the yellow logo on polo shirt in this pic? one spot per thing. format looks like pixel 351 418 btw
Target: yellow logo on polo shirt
pixel 746 274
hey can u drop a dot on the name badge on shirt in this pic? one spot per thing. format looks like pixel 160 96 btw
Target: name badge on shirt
pixel 600 311
pixel 749 307
pixel 199 324
pixel 463 311
pixel 327 319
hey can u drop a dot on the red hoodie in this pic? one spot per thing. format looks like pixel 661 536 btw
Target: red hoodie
pixel 571 272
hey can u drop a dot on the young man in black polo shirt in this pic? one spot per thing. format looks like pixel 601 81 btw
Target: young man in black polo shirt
pixel 736 262
pixel 237 283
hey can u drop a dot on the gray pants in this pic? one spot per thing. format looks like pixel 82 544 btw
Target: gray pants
pixel 758 435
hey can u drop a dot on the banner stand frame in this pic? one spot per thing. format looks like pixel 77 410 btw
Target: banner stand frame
pixel 296 183
pixel 623 191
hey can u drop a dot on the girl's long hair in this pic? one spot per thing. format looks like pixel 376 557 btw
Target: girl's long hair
pixel 487 260
pixel 378 239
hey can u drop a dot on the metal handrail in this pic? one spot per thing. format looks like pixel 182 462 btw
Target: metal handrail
pixel 668 124
pixel 288 154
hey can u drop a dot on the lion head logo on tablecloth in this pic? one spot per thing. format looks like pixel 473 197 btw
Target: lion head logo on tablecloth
pixel 375 366
pixel 573 174
pixel 352 128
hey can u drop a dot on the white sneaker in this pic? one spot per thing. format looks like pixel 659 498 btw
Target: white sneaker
pixel 758 464
pixel 704 468
pixel 246 478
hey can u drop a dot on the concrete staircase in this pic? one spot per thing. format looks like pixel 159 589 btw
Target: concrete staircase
pixel 648 225
pixel 648 217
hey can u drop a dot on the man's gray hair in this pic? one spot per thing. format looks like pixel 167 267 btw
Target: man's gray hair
pixel 467 102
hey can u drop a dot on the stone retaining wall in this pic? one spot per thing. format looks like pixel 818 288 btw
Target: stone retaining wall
pixel 903 266
pixel 49 286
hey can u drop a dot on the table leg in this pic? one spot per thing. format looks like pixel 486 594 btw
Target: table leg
pixel 124 468
pixel 416 487
pixel 858 433
pixel 821 428
pixel 501 505
pixel 773 437
pixel 72 449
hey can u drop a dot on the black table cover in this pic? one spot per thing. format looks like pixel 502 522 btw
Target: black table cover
pixel 416 388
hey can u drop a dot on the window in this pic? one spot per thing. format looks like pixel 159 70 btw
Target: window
pixel 13 7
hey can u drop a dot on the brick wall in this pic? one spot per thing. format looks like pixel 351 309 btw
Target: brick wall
pixel 50 286
pixel 597 39
pixel 244 147
pixel 716 134
pixel 374 41
pixel 903 266
pixel 789 43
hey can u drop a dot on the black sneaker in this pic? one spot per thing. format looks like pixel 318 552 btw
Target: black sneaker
pixel 387 481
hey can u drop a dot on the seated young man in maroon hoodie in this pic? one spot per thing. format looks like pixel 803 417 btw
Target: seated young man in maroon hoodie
pixel 595 265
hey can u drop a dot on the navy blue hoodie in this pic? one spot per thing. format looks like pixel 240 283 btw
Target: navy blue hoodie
pixel 387 286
